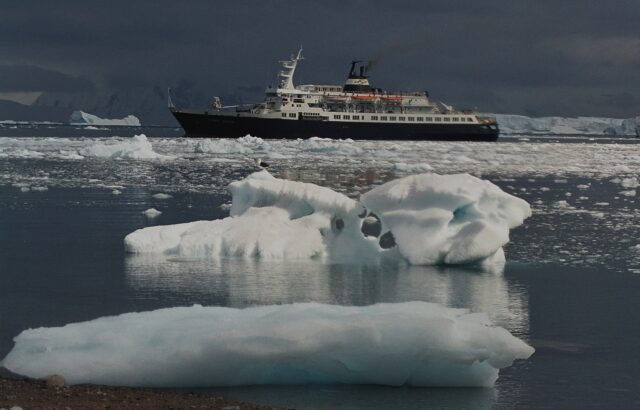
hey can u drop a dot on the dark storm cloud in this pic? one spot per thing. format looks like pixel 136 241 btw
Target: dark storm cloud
pixel 545 57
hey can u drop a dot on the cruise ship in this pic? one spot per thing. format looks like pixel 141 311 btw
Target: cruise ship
pixel 354 110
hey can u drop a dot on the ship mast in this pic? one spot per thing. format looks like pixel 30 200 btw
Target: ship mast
pixel 288 68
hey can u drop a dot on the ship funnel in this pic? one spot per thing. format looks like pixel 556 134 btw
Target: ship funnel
pixel 357 81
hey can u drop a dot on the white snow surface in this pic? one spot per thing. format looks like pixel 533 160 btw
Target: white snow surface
pixel 83 118
pixel 520 124
pixel 136 147
pixel 413 343
pixel 435 219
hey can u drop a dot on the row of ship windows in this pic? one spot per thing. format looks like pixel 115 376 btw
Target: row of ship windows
pixel 388 118
pixel 403 118
pixel 295 115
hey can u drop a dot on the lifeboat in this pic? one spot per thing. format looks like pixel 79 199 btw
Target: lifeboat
pixel 364 97
pixel 396 98
pixel 336 97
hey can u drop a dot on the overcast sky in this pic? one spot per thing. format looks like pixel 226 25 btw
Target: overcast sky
pixel 536 57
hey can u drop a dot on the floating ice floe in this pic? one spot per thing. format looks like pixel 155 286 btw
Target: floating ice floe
pixel 22 153
pixel 70 155
pixel 422 219
pixel 631 182
pixel 136 147
pixel 161 195
pixel 404 167
pixel 221 147
pixel 243 145
pixel 414 344
pixel 152 213
pixel 328 146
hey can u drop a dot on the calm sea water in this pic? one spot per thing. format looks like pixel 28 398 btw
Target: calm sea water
pixel 569 288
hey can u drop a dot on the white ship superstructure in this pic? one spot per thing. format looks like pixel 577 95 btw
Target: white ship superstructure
pixel 349 110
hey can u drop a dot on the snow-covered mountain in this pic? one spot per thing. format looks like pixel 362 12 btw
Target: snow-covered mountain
pixel 83 118
pixel 519 124
pixel 148 105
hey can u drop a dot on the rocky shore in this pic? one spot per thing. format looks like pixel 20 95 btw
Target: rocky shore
pixel 53 393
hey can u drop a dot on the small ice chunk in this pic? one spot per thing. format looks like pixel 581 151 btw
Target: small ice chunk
pixel 152 213
pixel 404 167
pixel 221 146
pixel 412 343
pixel 71 155
pixel 630 182
pixel 329 146
pixel 116 192
pixel 161 195
pixel 630 192
pixel 137 147
pixel 39 188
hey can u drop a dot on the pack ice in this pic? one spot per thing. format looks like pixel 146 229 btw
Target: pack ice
pixel 422 219
pixel 413 343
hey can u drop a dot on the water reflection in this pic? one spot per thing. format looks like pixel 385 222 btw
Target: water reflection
pixel 358 397
pixel 241 282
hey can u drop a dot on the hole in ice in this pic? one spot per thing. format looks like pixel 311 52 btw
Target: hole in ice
pixel 460 213
pixel 339 224
pixel 363 214
pixel 371 226
pixel 387 240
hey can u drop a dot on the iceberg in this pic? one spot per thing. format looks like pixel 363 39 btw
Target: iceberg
pixel 412 344
pixel 422 219
pixel 520 124
pixel 83 118
pixel 446 219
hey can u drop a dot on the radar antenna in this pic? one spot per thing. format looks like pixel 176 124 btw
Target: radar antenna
pixel 169 101
pixel 288 69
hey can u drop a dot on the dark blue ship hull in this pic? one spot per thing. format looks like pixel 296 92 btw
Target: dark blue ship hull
pixel 225 125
